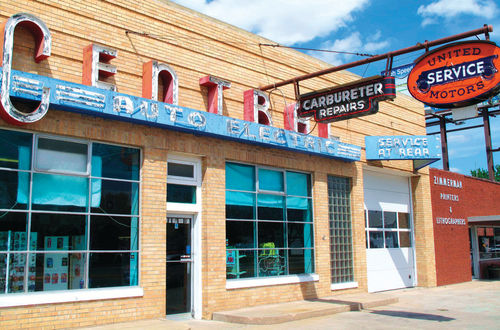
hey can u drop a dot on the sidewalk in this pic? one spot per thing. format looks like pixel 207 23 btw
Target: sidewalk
pixel 471 305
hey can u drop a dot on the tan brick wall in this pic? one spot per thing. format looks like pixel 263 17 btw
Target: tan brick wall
pixel 195 46
pixel 424 231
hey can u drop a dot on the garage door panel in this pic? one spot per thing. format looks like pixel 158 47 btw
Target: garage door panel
pixel 389 259
pixel 382 280
pixel 388 268
pixel 387 201
pixel 385 182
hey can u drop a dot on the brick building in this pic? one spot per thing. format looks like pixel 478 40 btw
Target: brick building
pixel 466 227
pixel 116 206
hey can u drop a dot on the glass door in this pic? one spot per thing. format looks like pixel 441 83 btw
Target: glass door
pixel 179 264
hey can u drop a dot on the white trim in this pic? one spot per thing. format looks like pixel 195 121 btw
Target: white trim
pixel 194 161
pixel 196 255
pixel 412 233
pixel 484 218
pixel 346 285
pixel 194 211
pixel 255 282
pixel 38 298
pixel 185 207
pixel 389 171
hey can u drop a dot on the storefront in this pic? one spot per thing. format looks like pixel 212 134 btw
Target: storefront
pixel 466 227
pixel 116 206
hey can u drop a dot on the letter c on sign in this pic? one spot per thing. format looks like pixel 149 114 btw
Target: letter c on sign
pixel 43 42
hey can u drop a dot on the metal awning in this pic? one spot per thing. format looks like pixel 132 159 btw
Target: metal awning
pixel 488 218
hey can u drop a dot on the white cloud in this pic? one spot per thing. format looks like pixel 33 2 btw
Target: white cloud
pixel 453 8
pixel 284 21
pixel 456 170
pixel 459 138
pixel 352 44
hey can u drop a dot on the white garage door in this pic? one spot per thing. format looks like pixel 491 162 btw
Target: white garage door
pixel 390 252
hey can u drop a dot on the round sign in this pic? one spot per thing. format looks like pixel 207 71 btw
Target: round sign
pixel 456 75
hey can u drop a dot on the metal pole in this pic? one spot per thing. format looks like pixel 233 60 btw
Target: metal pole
pixel 487 139
pixel 444 144
pixel 485 29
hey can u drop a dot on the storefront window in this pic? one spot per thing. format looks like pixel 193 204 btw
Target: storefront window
pixel 70 220
pixel 386 229
pixel 269 228
pixel 488 239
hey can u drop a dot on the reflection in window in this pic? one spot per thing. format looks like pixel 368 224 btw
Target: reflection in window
pixel 112 269
pixel 61 156
pixel 58 231
pixel 182 183
pixel 114 197
pixel 375 219
pixel 241 233
pixel 177 193
pixel 404 220
pixel 76 208
pixel 404 239
pixel 182 170
pixel 13 230
pixel 113 233
pixel 376 239
pixel 117 162
pixel 276 236
pixel 488 239
pixel 391 239
pixel 390 220
pixel 14 190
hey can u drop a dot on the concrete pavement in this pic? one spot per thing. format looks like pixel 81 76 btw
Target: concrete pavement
pixel 470 305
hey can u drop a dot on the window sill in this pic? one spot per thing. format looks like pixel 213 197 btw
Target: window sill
pixel 39 298
pixel 341 286
pixel 278 280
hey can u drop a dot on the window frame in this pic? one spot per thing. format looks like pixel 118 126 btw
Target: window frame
pixel 383 229
pixel 34 153
pixel 196 181
pixel 27 297
pixel 497 253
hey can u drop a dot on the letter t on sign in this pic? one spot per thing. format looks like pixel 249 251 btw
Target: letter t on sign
pixel 215 87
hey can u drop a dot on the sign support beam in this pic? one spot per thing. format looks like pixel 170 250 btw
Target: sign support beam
pixel 444 144
pixel 487 140
pixel 484 30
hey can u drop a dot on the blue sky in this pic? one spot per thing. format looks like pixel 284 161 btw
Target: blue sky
pixel 373 27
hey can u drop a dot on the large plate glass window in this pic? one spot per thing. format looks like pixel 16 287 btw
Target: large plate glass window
pixel 269 229
pixel 69 214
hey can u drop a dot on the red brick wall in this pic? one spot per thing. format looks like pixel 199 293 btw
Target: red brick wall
pixel 477 197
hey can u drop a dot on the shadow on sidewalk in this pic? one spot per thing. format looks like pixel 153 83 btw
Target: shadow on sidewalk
pixel 410 315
